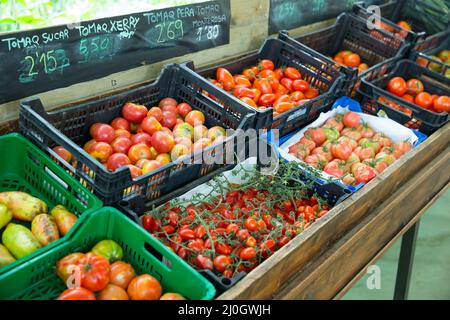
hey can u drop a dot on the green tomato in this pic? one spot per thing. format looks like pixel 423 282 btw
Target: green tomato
pixel 331 133
pixel 108 249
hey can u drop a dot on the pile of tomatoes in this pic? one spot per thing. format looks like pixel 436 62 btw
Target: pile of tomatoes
pixel 348 149
pixel 146 139
pixel 403 33
pixel 414 92
pixel 237 230
pixel 264 86
pixel 350 59
pixel 101 275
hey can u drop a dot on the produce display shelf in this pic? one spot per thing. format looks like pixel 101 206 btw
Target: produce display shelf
pixel 37 278
pixel 23 167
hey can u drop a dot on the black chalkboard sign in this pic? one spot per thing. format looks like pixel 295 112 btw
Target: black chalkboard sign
pixel 41 60
pixel 290 14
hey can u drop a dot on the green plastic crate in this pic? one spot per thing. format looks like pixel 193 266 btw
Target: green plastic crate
pixel 37 279
pixel 23 167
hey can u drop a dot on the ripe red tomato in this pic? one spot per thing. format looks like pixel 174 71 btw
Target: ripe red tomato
pixel 77 294
pixel 225 78
pixel 95 271
pixel 163 142
pixel 169 119
pixel 263 85
pixel 186 234
pixel 247 254
pixel 121 274
pixel 397 86
pixel 442 104
pixel 351 119
pixel 414 87
pixel 183 109
pixel 424 100
pixel 143 137
pixel 311 93
pixel 336 168
pixel 204 262
pixel 352 60
pixel 138 152
pixel 121 145
pixel 300 85
pixel 363 173
pixel 134 112
pixel 266 64
pixel 222 262
pixel 113 292
pixel 116 161
pixel 267 99
pixel 120 123
pixel 292 73
pixel 102 132
pixel 150 125
pixel 144 287
pixel 243 234
pixel 195 118
pixel 251 224
pixel 167 102
pixel 101 151
pixel 155 112
pixel 286 82
pixel 222 248
pixel 408 98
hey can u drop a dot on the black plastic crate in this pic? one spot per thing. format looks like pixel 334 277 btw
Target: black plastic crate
pixel 320 73
pixel 350 32
pixel 374 95
pixel 424 50
pixel 69 128
pixel 136 207
pixel 424 23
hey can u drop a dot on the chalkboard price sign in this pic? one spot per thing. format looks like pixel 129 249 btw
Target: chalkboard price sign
pixel 41 60
pixel 290 14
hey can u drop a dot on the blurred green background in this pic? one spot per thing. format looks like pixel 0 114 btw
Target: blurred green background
pixel 30 14
pixel 431 269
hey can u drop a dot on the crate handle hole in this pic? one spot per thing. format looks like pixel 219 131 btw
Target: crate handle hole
pixel 153 251
pixel 226 281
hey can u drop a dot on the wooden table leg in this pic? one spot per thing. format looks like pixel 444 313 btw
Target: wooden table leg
pixel 405 262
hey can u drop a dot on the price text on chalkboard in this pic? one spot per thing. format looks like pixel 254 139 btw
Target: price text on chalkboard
pixel 42 60
pixel 291 14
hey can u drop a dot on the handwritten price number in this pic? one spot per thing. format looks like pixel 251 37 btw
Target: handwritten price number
pixel 211 32
pixel 48 62
pixel 95 48
pixel 170 31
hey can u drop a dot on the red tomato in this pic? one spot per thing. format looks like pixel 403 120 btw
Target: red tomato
pixel 397 86
pixel 134 112
pixel 163 142
pixel 222 262
pixel 150 125
pixel 250 73
pixel 121 274
pixel 225 78
pixel 363 173
pixel 144 287
pixel 183 109
pixel 169 119
pixel 300 85
pixel 352 60
pixel 247 254
pixel 292 73
pixel 120 123
pixel 95 271
pixel 77 294
pixel 251 224
pixel 414 87
pixel 116 161
pixel 204 262
pixel 243 234
pixel 408 98
pixel 121 145
pixel 266 64
pixel 263 85
pixel 336 168
pixel 267 99
pixel 167 102
pixel 278 73
pixel 138 152
pixel 101 151
pixel 200 231
pixel 186 234
pixel 141 138
pixel 197 245
pixel 242 81
pixel 155 112
pixel 286 82
pixel 424 100
pixel 351 119
pixel 150 224
pixel 442 104
pixel 102 132
pixel 195 118
pixel 311 93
